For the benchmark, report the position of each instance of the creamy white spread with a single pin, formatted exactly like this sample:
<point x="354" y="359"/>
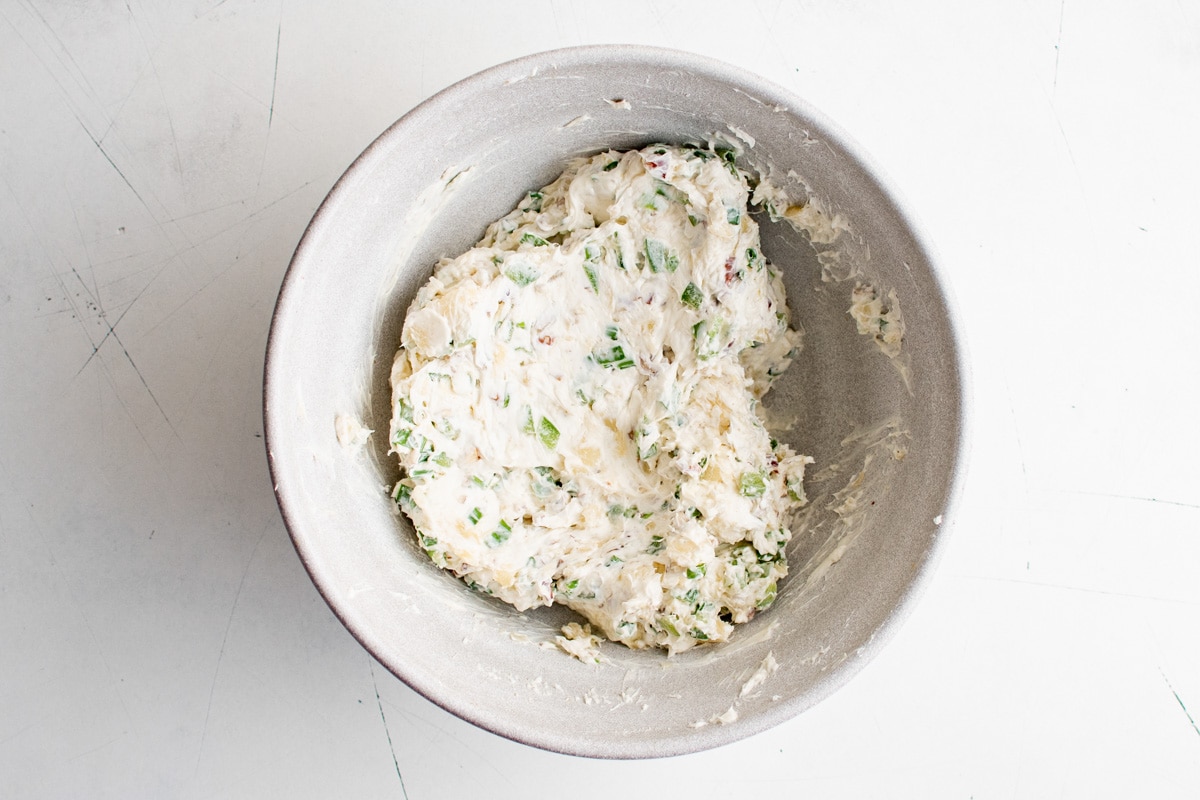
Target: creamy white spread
<point x="576" y="402"/>
<point x="878" y="317"/>
<point x="349" y="431"/>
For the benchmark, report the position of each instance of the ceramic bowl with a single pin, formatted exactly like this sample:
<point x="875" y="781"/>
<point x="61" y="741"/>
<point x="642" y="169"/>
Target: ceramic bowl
<point x="887" y="431"/>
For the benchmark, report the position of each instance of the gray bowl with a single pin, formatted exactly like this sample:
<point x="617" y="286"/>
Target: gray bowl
<point x="887" y="432"/>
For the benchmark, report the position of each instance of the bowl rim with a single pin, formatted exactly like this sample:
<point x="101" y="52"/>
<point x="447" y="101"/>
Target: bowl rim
<point x="763" y="89"/>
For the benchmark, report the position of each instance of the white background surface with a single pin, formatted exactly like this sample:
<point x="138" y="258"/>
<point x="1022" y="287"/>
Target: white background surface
<point x="159" y="162"/>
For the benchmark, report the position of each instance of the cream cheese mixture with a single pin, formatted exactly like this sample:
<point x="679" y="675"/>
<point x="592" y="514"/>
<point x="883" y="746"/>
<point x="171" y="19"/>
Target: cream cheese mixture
<point x="576" y="402"/>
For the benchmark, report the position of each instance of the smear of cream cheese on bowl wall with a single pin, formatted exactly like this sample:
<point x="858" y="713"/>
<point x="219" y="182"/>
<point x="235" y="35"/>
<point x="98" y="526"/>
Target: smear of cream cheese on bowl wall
<point x="576" y="401"/>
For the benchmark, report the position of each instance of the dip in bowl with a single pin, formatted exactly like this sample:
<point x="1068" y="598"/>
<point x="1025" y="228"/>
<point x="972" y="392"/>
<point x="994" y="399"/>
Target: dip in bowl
<point x="875" y="397"/>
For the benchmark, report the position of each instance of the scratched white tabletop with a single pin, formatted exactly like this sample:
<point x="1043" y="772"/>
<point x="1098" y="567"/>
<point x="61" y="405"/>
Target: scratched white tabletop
<point x="158" y="163"/>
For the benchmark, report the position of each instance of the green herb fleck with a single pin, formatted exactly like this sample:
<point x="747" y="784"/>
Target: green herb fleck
<point x="400" y="438"/>
<point x="660" y="257"/>
<point x="404" y="409"/>
<point x="692" y="296"/>
<point x="548" y="433"/>
<point x="500" y="535"/>
<point x="521" y="274"/>
<point x="620" y="250"/>
<point x="752" y="484"/>
<point x="475" y="516"/>
<point x="709" y="335"/>
<point x="752" y="258"/>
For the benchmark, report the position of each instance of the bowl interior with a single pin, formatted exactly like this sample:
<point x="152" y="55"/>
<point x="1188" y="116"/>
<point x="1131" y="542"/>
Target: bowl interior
<point x="885" y="432"/>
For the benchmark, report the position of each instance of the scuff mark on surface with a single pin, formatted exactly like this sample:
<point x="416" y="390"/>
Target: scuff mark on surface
<point x="275" y="75"/>
<point x="1058" y="45"/>
<point x="212" y="689"/>
<point x="386" y="730"/>
<point x="1179" y="700"/>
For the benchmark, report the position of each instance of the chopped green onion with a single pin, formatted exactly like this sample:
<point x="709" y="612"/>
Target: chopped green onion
<point x="545" y="481"/>
<point x="753" y="259"/>
<point x="610" y="356"/>
<point x="429" y="545"/>
<point x="400" y="438"/>
<point x="692" y="296"/>
<point x="709" y="336"/>
<point x="404" y="409"/>
<point x="536" y="241"/>
<point x="620" y="250"/>
<point x="731" y="213"/>
<point x="611" y="165"/>
<point x="500" y="535"/>
<point x="548" y="433"/>
<point x="475" y="516"/>
<point x="752" y="484"/>
<point x="729" y="157"/>
<point x="697" y="571"/>
<point x="656" y="545"/>
<point x="628" y="512"/>
<point x="593" y="279"/>
<point x="660" y="257"/>
<point x="614" y="356"/>
<point x="795" y="490"/>
<point x="420" y="472"/>
<point x="535" y="202"/>
<point x="521" y="274"/>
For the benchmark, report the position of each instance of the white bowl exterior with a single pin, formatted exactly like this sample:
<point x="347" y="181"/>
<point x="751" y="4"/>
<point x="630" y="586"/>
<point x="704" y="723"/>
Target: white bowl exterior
<point x="425" y="189"/>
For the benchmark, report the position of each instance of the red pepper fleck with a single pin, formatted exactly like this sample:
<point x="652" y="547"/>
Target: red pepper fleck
<point x="657" y="166"/>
